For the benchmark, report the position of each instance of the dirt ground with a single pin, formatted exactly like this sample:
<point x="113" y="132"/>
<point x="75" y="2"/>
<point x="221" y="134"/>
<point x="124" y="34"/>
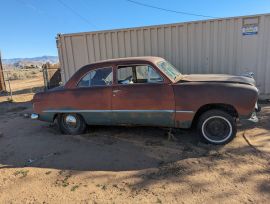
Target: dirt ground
<point x="129" y="164"/>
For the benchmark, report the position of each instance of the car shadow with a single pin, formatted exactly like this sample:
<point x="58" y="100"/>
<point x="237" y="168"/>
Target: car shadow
<point x="144" y="151"/>
<point x="27" y="143"/>
<point x="103" y="148"/>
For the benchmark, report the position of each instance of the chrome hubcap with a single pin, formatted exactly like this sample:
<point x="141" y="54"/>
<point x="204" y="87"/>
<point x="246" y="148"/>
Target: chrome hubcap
<point x="71" y="120"/>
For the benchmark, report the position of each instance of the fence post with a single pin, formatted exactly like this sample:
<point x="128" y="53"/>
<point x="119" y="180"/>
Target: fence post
<point x="2" y="78"/>
<point x="10" y="90"/>
<point x="45" y="76"/>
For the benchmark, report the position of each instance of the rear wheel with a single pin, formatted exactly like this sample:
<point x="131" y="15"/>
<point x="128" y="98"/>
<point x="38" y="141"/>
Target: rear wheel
<point x="71" y="124"/>
<point x="217" y="127"/>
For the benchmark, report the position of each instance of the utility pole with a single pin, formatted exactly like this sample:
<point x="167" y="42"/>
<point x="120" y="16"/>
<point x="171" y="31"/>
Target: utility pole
<point x="2" y="79"/>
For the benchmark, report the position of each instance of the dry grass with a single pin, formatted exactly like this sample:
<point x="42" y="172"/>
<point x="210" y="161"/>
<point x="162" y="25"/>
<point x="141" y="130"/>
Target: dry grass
<point x="21" y="74"/>
<point x="24" y="84"/>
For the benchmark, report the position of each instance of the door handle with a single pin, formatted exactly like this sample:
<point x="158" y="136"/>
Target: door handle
<point x="115" y="91"/>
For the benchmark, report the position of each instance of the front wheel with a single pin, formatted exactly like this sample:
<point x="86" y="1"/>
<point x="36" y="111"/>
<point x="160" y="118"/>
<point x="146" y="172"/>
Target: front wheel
<point x="217" y="127"/>
<point x="71" y="124"/>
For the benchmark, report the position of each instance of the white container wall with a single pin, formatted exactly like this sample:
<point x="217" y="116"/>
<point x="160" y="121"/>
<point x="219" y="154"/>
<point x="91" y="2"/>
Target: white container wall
<point x="229" y="46"/>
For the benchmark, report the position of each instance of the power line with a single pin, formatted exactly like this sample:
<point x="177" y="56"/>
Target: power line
<point x="76" y="13"/>
<point x="169" y="10"/>
<point x="31" y="6"/>
<point x="42" y="12"/>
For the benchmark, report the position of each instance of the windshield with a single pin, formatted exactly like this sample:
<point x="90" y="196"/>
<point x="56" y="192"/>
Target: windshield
<point x="169" y="70"/>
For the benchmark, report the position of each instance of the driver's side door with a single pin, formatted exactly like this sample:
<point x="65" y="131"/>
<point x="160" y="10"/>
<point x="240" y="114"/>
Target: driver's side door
<point x="141" y="97"/>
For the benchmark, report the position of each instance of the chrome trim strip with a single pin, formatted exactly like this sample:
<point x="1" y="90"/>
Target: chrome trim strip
<point x="105" y="111"/>
<point x="97" y="111"/>
<point x="184" y="111"/>
<point x="144" y="111"/>
<point x="75" y="111"/>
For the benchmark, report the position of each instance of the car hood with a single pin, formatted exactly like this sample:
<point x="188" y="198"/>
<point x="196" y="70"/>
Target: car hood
<point x="217" y="78"/>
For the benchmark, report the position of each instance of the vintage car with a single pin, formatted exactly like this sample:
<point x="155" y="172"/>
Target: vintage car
<point x="149" y="91"/>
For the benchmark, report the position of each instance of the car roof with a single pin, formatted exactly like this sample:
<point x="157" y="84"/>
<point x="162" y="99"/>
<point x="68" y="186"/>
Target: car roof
<point x="136" y="60"/>
<point x="152" y="59"/>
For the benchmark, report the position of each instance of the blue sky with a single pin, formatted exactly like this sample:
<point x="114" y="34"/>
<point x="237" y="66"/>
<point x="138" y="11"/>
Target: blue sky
<point x="28" y="27"/>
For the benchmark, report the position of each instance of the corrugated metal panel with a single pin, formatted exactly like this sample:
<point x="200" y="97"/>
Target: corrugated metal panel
<point x="212" y="46"/>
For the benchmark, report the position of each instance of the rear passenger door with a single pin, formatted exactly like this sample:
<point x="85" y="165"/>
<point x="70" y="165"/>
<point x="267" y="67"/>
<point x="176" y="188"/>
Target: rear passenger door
<point x="92" y="97"/>
<point x="141" y="97"/>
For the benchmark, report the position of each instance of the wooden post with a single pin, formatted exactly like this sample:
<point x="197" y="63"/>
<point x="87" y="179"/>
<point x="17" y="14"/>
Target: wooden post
<point x="45" y="76"/>
<point x="10" y="90"/>
<point x="2" y="80"/>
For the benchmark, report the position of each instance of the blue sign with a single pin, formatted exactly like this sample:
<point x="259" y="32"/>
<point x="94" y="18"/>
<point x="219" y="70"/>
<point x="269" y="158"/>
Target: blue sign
<point x="250" y="30"/>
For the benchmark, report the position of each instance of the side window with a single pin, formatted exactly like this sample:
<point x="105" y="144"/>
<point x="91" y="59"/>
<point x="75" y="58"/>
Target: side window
<point x="98" y="77"/>
<point x="85" y="81"/>
<point x="137" y="74"/>
<point x="146" y="74"/>
<point x="124" y="75"/>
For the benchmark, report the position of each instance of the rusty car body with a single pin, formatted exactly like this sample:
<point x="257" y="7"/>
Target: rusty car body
<point x="149" y="91"/>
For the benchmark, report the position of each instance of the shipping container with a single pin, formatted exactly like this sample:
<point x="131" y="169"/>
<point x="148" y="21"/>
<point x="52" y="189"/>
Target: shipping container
<point x="229" y="46"/>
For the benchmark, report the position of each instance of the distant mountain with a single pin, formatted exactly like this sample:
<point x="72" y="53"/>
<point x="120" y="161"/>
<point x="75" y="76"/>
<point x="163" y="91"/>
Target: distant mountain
<point x="43" y="59"/>
<point x="24" y="62"/>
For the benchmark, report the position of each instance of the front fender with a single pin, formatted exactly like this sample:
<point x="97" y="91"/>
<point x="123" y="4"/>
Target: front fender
<point x="191" y="96"/>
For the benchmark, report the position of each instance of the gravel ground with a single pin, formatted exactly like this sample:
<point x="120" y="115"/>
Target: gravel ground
<point x="129" y="164"/>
